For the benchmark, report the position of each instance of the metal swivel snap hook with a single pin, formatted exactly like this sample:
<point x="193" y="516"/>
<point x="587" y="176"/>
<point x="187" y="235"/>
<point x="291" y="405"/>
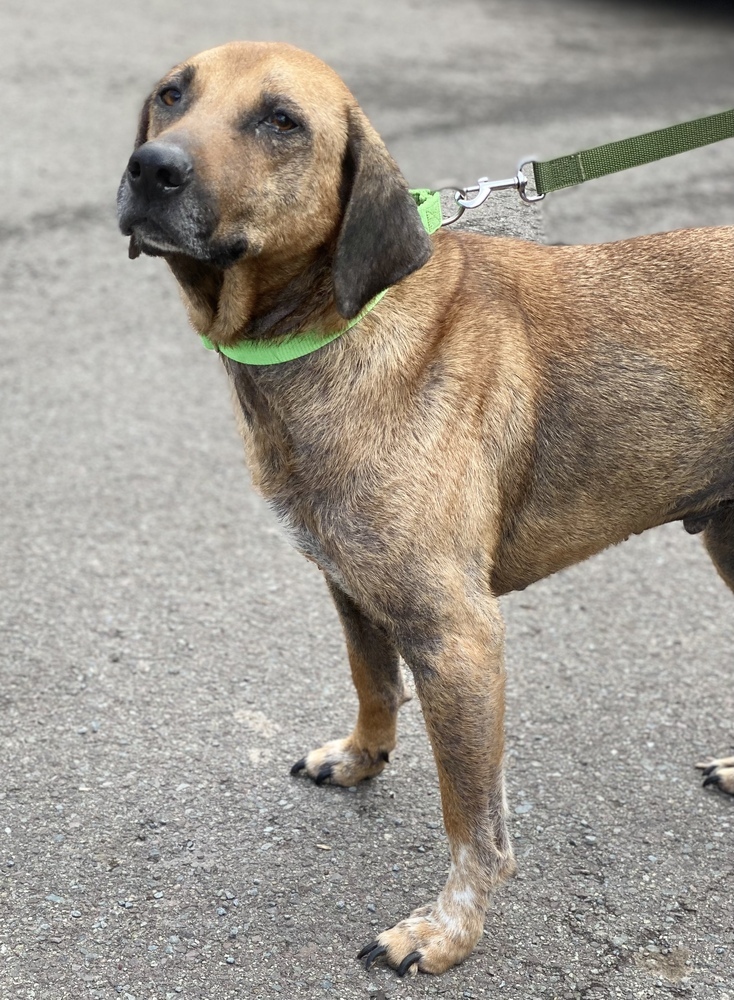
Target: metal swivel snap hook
<point x="477" y="194"/>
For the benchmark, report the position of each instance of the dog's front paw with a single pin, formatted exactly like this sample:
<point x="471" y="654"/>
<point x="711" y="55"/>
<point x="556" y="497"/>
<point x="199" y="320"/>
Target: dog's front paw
<point x="719" y="772"/>
<point x="341" y="763"/>
<point x="431" y="939"/>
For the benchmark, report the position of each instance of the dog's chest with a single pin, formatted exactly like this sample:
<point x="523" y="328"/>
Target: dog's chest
<point x="307" y="541"/>
<point x="313" y="471"/>
<point x="313" y="544"/>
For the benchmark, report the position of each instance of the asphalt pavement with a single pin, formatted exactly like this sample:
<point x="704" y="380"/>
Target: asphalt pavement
<point x="166" y="655"/>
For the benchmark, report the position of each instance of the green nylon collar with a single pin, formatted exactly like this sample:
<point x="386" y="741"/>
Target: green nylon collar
<point x="264" y="352"/>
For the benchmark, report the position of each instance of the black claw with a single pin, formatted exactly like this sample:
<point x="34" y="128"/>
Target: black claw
<point x="711" y="779"/>
<point x="298" y="766"/>
<point x="411" y="959"/>
<point x="709" y="770"/>
<point x="384" y="755"/>
<point x="324" y="773"/>
<point x="371" y="953"/>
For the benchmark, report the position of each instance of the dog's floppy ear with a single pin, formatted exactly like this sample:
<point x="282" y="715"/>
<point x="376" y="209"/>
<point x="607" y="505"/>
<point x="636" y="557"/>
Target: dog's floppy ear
<point x="382" y="238"/>
<point x="133" y="250"/>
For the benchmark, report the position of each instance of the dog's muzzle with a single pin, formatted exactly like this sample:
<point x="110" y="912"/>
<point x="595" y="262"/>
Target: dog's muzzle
<point x="161" y="203"/>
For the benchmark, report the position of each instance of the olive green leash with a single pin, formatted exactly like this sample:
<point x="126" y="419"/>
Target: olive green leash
<point x="565" y="171"/>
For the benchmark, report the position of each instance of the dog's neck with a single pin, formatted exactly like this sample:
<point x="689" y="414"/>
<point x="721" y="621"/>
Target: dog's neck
<point x="255" y="300"/>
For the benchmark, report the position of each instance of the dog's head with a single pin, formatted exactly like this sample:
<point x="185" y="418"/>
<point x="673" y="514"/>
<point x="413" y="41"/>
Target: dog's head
<point x="254" y="159"/>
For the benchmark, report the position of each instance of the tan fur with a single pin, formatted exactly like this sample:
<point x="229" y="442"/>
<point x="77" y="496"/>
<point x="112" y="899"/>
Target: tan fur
<point x="505" y="411"/>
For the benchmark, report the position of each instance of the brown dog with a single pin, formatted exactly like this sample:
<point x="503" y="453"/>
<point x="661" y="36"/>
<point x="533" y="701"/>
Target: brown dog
<point x="506" y="410"/>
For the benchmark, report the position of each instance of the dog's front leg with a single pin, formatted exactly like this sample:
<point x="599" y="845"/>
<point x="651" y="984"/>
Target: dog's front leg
<point x="378" y="679"/>
<point x="459" y="676"/>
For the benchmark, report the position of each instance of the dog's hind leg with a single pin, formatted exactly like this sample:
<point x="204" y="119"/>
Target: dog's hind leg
<point x="378" y="679"/>
<point x="459" y="675"/>
<point x="718" y="538"/>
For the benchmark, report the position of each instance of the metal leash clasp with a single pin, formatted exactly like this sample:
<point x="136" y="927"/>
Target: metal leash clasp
<point x="477" y="194"/>
<point x="522" y="181"/>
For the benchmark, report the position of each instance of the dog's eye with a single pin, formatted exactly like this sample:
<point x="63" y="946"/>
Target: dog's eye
<point x="170" y="96"/>
<point x="280" y="122"/>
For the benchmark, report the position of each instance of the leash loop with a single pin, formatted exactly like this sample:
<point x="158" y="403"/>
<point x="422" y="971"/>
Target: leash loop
<point x="529" y="199"/>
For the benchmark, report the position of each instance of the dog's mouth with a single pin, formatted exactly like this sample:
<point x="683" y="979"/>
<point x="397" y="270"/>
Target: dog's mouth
<point x="183" y="223"/>
<point x="155" y="239"/>
<point x="149" y="241"/>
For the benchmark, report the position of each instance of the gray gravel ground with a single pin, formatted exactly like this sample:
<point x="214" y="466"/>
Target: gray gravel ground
<point x="166" y="656"/>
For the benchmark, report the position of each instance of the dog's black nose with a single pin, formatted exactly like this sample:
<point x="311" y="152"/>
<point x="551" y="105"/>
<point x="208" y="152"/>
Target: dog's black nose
<point x="157" y="169"/>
